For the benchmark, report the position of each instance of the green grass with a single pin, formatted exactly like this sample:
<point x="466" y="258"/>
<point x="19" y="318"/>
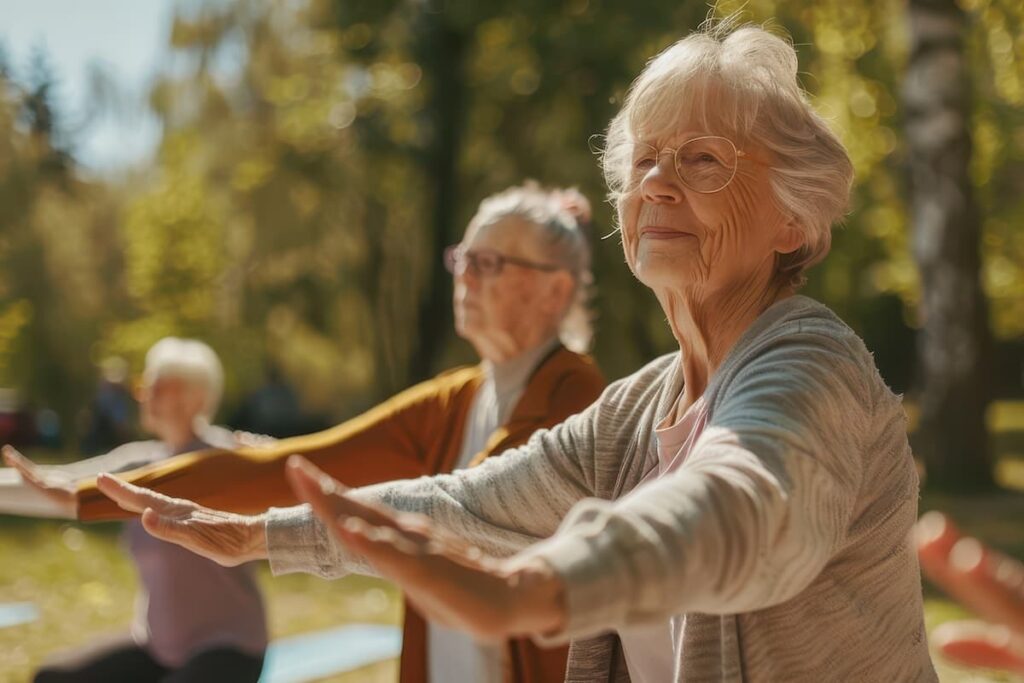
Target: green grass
<point x="83" y="584"/>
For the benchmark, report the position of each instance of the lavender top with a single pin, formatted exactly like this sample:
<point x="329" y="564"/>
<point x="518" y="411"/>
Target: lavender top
<point x="187" y="604"/>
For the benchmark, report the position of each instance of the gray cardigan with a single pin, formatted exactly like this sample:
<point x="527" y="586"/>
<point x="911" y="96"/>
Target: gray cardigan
<point x="780" y="549"/>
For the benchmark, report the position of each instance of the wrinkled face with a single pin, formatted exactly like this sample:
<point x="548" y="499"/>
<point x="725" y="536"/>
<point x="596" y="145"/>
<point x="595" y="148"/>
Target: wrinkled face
<point x="676" y="238"/>
<point x="169" y="405"/>
<point x="507" y="310"/>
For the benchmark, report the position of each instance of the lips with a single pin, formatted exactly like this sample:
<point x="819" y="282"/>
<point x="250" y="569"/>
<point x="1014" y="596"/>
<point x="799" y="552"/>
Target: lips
<point x="660" y="232"/>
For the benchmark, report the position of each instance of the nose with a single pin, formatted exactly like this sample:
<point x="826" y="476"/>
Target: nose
<point x="661" y="184"/>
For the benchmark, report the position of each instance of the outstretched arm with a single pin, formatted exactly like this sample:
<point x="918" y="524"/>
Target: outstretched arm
<point x="449" y="580"/>
<point x="224" y="537"/>
<point x="394" y="440"/>
<point x="50" y="490"/>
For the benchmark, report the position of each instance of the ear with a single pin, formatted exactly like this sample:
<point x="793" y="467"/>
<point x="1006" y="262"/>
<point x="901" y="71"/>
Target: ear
<point x="789" y="238"/>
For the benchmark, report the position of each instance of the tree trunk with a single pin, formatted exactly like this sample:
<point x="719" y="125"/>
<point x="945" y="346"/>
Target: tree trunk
<point x="954" y="340"/>
<point x="441" y="51"/>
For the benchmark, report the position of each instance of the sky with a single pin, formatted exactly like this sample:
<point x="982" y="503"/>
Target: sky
<point x="127" y="38"/>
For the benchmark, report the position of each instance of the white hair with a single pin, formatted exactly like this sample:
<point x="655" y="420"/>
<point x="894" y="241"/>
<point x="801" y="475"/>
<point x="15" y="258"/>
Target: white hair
<point x="741" y="83"/>
<point x="562" y="218"/>
<point x="191" y="361"/>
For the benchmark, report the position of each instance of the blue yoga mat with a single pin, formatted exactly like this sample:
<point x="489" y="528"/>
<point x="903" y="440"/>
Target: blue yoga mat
<point x="322" y="653"/>
<point x="16" y="613"/>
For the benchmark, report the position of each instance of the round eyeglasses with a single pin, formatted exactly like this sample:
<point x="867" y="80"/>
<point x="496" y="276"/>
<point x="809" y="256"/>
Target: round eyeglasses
<point x="486" y="262"/>
<point x="706" y="164"/>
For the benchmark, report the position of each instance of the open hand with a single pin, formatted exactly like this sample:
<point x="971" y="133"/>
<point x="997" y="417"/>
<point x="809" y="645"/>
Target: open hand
<point x="450" y="581"/>
<point x="986" y="582"/>
<point x="224" y="537"/>
<point x="52" y="484"/>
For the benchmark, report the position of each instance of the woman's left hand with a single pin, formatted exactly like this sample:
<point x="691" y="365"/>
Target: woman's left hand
<point x="449" y="581"/>
<point x="224" y="537"/>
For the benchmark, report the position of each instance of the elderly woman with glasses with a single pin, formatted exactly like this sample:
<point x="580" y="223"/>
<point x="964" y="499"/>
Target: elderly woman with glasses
<point x="738" y="510"/>
<point x="521" y="275"/>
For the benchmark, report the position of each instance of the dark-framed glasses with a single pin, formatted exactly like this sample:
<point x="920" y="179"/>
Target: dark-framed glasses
<point x="487" y="262"/>
<point x="705" y="164"/>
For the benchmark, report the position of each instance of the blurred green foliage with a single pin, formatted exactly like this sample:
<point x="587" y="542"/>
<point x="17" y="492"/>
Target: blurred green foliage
<point x="294" y="211"/>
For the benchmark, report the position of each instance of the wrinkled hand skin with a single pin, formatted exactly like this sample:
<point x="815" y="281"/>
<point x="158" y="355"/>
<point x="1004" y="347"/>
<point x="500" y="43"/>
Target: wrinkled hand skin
<point x="224" y="537"/>
<point x="448" y="580"/>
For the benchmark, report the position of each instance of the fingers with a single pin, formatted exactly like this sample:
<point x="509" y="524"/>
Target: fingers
<point x="328" y="498"/>
<point x="32" y="476"/>
<point x="12" y="457"/>
<point x="386" y="544"/>
<point x="993" y="580"/>
<point x="464" y="595"/>
<point x="984" y="581"/>
<point x="978" y="644"/>
<point x="178" y="532"/>
<point x="311" y="486"/>
<point x="28" y="470"/>
<point x="369" y="531"/>
<point x="134" y="498"/>
<point x="162" y="527"/>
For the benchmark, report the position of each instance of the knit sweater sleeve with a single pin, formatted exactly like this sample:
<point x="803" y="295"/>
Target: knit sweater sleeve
<point x="751" y="517"/>
<point x="501" y="506"/>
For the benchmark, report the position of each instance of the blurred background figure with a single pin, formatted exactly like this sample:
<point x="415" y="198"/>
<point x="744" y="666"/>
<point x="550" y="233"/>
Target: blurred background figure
<point x="522" y="283"/>
<point x="272" y="409"/>
<point x="16" y="424"/>
<point x="219" y="632"/>
<point x="110" y="418"/>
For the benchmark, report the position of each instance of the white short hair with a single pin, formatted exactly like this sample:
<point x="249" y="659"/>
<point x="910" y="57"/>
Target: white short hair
<point x="192" y="361"/>
<point x="741" y="83"/>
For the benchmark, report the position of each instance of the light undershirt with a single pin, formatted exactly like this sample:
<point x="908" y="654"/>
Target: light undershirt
<point x="453" y="656"/>
<point x="650" y="649"/>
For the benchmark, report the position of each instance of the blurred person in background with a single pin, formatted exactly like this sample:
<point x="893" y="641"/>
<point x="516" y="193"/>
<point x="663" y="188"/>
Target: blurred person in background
<point x="195" y="621"/>
<point x="274" y="408"/>
<point x="16" y="423"/>
<point x="110" y="419"/>
<point x="521" y="276"/>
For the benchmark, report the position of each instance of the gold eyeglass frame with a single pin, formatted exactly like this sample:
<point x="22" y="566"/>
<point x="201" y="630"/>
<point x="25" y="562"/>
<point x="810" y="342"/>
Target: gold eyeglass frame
<point x="675" y="164"/>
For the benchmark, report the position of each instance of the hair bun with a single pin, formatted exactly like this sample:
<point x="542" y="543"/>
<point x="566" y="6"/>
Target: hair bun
<point x="573" y="202"/>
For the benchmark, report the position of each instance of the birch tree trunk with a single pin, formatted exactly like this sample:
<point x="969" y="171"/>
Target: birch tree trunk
<point x="954" y="340"/>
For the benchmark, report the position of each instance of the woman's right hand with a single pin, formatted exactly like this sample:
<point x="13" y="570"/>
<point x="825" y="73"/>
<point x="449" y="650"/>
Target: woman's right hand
<point x="224" y="537"/>
<point x="58" y="488"/>
<point x="982" y="580"/>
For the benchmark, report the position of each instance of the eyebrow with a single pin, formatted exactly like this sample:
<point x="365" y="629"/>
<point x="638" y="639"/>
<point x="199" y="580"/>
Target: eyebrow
<point x="682" y="137"/>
